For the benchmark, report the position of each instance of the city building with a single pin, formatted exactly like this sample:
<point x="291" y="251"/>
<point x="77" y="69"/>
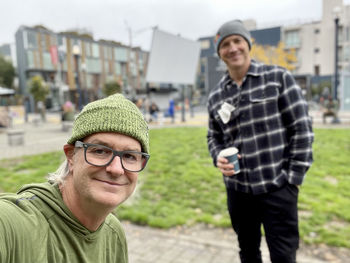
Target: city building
<point x="75" y="66"/>
<point x="8" y="51"/>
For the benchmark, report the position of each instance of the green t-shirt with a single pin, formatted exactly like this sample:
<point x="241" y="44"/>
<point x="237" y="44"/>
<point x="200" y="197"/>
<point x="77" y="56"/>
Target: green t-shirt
<point x="36" y="226"/>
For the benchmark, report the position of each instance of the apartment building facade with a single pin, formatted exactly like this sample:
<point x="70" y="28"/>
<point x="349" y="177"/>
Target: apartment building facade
<point x="75" y="66"/>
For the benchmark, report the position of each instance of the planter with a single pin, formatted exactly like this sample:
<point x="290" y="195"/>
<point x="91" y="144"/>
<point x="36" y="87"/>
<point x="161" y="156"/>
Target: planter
<point x="67" y="125"/>
<point x="15" y="137"/>
<point x="68" y="116"/>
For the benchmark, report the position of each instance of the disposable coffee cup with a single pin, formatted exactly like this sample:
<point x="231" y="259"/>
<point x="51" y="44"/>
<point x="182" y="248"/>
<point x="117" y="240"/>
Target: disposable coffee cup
<point x="231" y="154"/>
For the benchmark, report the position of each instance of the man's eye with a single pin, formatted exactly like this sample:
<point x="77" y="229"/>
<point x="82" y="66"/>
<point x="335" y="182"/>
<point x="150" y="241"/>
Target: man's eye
<point x="129" y="156"/>
<point x="225" y="44"/>
<point x="100" y="151"/>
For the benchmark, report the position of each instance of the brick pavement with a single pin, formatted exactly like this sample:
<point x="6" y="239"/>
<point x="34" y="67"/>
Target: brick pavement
<point x="146" y="245"/>
<point x="197" y="244"/>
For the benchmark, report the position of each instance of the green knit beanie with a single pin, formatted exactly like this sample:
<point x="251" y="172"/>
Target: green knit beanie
<point x="112" y="114"/>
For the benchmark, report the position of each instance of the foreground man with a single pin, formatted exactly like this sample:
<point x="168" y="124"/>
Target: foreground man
<point x="260" y="110"/>
<point x="68" y="219"/>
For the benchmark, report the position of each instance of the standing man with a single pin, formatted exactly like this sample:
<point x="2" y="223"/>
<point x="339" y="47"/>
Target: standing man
<point x="260" y="110"/>
<point x="69" y="219"/>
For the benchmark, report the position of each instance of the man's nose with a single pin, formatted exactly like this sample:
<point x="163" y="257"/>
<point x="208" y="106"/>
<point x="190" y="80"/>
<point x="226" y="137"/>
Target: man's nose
<point x="115" y="167"/>
<point x="232" y="47"/>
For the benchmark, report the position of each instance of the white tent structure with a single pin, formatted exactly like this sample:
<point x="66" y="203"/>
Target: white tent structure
<point x="173" y="59"/>
<point x="6" y="91"/>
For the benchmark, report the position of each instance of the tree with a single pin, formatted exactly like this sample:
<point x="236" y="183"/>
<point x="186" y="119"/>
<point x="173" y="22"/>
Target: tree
<point x="111" y="88"/>
<point x="39" y="90"/>
<point x="274" y="55"/>
<point x="7" y="73"/>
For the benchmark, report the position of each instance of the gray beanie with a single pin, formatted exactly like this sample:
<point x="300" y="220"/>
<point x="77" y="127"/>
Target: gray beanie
<point x="234" y="27"/>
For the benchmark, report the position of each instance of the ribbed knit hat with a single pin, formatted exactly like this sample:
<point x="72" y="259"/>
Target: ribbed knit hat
<point x="234" y="27"/>
<point x="112" y="114"/>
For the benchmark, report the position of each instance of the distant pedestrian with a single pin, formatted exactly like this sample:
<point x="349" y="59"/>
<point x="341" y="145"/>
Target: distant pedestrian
<point x="153" y="111"/>
<point x="171" y="111"/>
<point x="69" y="218"/>
<point x="260" y="110"/>
<point x="330" y="109"/>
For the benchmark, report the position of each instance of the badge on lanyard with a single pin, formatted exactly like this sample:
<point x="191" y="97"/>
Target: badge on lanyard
<point x="225" y="112"/>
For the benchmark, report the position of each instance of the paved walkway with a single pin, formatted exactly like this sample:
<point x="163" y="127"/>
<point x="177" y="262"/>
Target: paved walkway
<point x="148" y="245"/>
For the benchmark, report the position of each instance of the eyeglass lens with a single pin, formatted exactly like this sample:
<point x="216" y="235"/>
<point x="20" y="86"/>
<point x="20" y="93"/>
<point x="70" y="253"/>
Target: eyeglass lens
<point x="102" y="155"/>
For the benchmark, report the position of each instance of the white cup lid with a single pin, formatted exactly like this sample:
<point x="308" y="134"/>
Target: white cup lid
<point x="228" y="151"/>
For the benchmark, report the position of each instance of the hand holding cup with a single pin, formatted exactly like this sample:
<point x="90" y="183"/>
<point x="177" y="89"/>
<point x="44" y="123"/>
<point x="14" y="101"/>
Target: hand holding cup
<point x="228" y="162"/>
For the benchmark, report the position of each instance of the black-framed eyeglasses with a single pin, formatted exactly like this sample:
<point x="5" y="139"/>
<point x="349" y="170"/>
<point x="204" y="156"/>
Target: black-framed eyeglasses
<point x="100" y="155"/>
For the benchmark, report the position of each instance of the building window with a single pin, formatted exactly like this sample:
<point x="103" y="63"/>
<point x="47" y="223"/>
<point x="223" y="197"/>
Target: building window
<point x="317" y="31"/>
<point x="340" y="34"/>
<point x="316" y="50"/>
<point x="87" y="49"/>
<point x="106" y="53"/>
<point x="47" y="64"/>
<point x="340" y="54"/>
<point x="347" y="33"/>
<point x="32" y="40"/>
<point x="292" y="38"/>
<point x="30" y="59"/>
<point x="95" y="50"/>
<point x="347" y="53"/>
<point x="317" y="70"/>
<point x="121" y="54"/>
<point x="205" y="44"/>
<point x="118" y="68"/>
<point x="60" y="40"/>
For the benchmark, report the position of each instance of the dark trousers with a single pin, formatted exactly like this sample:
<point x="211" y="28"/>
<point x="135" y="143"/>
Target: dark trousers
<point x="277" y="212"/>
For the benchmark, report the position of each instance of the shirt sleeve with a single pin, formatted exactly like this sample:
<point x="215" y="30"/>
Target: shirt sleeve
<point x="214" y="135"/>
<point x="4" y="235"/>
<point x="294" y="112"/>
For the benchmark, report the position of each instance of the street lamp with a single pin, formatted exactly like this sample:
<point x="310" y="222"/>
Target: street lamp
<point x="76" y="53"/>
<point x="336" y="12"/>
<point x="129" y="87"/>
<point x="84" y="83"/>
<point x="61" y="58"/>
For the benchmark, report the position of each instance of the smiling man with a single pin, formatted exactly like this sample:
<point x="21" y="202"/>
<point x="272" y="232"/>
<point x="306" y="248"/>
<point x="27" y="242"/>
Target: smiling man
<point x="69" y="219"/>
<point x="260" y="110"/>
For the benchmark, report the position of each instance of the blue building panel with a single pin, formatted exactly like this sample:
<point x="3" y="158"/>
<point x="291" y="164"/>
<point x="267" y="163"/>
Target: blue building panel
<point x="209" y="50"/>
<point x="268" y="36"/>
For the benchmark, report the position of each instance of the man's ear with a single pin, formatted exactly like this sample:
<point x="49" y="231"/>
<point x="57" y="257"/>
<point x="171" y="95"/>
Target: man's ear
<point x="69" y="152"/>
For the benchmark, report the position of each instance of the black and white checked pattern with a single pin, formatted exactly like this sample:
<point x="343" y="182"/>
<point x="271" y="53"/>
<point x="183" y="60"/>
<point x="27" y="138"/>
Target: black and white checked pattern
<point x="270" y="126"/>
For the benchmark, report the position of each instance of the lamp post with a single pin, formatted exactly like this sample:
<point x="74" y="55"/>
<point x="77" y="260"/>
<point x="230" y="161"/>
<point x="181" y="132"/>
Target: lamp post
<point x="131" y="86"/>
<point x="336" y="12"/>
<point x="76" y="53"/>
<point x="61" y="57"/>
<point x="84" y="83"/>
<point x="130" y="89"/>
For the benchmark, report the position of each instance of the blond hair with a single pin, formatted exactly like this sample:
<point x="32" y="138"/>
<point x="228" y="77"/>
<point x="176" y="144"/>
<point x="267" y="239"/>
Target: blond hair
<point x="60" y="175"/>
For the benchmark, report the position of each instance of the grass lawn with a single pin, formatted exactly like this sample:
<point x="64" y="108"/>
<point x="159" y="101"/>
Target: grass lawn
<point x="181" y="186"/>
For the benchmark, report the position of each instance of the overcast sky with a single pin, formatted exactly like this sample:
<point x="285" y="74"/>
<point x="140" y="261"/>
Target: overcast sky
<point x="109" y="19"/>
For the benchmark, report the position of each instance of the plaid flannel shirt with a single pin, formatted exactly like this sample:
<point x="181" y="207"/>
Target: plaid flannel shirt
<point x="269" y="125"/>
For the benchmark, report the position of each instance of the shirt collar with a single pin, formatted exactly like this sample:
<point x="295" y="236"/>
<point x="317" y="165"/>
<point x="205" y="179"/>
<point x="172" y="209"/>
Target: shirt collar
<point x="253" y="70"/>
